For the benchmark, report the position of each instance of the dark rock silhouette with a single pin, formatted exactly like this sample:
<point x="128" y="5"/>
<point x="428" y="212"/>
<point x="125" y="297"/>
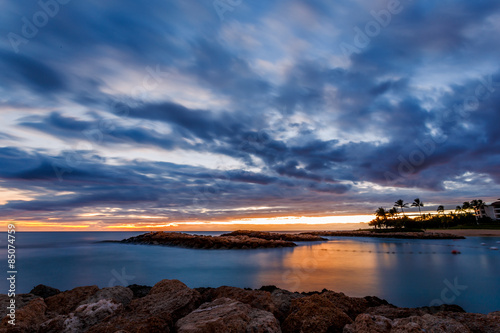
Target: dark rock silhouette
<point x="171" y="306"/>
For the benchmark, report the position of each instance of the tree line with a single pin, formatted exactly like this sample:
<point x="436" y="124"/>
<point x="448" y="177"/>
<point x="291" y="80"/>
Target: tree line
<point x="396" y="217"/>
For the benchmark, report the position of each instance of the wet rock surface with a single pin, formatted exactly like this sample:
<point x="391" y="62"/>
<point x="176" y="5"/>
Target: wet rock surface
<point x="228" y="315"/>
<point x="171" y="306"/>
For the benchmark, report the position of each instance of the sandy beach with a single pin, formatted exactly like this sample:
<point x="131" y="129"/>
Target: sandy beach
<point x="472" y="232"/>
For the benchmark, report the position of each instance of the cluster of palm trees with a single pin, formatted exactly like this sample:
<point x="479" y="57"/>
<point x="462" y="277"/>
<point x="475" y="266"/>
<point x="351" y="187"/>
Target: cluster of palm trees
<point x="467" y="207"/>
<point x="383" y="213"/>
<point x="391" y="217"/>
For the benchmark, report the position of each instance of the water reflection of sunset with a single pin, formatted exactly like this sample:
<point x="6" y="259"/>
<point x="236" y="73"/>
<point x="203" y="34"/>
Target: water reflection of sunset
<point x="316" y="266"/>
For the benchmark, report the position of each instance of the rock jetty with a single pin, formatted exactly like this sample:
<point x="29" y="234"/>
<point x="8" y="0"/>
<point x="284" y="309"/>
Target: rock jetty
<point x="277" y="236"/>
<point x="171" y="306"/>
<point x="206" y="242"/>
<point x="377" y="234"/>
<point x="248" y="239"/>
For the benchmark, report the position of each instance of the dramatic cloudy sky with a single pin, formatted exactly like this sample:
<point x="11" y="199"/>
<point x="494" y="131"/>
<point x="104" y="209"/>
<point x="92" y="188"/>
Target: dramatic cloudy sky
<point x="129" y="113"/>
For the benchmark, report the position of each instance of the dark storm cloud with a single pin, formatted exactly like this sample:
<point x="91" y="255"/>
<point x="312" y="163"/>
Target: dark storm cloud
<point x="19" y="70"/>
<point x="155" y="186"/>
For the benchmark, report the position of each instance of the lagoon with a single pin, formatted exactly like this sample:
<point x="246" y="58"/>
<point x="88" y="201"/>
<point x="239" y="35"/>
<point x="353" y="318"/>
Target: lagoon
<point x="407" y="273"/>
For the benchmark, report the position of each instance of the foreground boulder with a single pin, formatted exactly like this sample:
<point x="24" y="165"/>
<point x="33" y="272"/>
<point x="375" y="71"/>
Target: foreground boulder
<point x="28" y="318"/>
<point x="21" y="301"/>
<point x="84" y="317"/>
<point x="352" y="306"/>
<point x="168" y="301"/>
<point x="256" y="298"/>
<point x="315" y="314"/>
<point x="139" y="290"/>
<point x="118" y="294"/>
<point x="66" y="302"/>
<point x="392" y="312"/>
<point x="366" y="323"/>
<point x="282" y="300"/>
<point x="477" y="323"/>
<point x="44" y="291"/>
<point x="442" y="322"/>
<point x="228" y="315"/>
<point x="170" y="306"/>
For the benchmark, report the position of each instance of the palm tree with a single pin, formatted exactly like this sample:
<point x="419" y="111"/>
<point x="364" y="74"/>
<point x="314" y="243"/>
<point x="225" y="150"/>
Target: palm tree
<point x="401" y="204"/>
<point x="440" y="209"/>
<point x="381" y="213"/>
<point x="458" y="209"/>
<point x="466" y="206"/>
<point x="418" y="203"/>
<point x="477" y="204"/>
<point x="393" y="212"/>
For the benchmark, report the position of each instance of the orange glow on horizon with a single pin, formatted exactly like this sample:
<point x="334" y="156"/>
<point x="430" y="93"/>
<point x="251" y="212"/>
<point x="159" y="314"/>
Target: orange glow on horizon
<point x="269" y="223"/>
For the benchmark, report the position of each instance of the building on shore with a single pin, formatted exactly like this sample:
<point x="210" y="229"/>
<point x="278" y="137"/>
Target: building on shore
<point x="492" y="211"/>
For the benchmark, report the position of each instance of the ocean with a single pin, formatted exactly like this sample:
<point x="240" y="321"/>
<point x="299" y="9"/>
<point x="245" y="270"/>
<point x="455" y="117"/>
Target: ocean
<point x="409" y="273"/>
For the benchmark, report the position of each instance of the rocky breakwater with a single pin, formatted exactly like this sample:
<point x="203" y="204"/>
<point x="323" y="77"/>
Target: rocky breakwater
<point x="170" y="306"/>
<point x="396" y="234"/>
<point x="276" y="236"/>
<point x="206" y="242"/>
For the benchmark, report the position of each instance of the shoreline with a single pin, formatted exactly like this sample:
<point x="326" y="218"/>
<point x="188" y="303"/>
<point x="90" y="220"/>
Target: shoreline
<point x="388" y="234"/>
<point x="471" y="232"/>
<point x="171" y="306"/>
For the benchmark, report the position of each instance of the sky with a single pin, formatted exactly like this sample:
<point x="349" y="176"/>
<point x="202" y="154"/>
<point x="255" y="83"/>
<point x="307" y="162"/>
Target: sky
<point x="206" y="114"/>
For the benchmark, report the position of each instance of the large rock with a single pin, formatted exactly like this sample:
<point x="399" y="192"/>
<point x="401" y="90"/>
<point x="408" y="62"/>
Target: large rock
<point x="167" y="287"/>
<point x="139" y="290"/>
<point x="44" y="291"/>
<point x="118" y="294"/>
<point x="428" y="323"/>
<point x="477" y="323"/>
<point x="367" y="323"/>
<point x="393" y="312"/>
<point x="375" y="301"/>
<point x="316" y="314"/>
<point x="66" y="302"/>
<point x="21" y="301"/>
<point x="352" y="306"/>
<point x="28" y="318"/>
<point x="167" y="301"/>
<point x="84" y="317"/>
<point x="282" y="300"/>
<point x="256" y="298"/>
<point x="228" y="315"/>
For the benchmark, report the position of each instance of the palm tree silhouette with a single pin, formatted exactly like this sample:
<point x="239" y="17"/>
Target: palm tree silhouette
<point x="401" y="204"/>
<point x="440" y="209"/>
<point x="382" y="214"/>
<point x="393" y="212"/>
<point x="418" y="203"/>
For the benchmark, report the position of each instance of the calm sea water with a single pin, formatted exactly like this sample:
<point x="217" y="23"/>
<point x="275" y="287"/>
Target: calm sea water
<point x="405" y="272"/>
